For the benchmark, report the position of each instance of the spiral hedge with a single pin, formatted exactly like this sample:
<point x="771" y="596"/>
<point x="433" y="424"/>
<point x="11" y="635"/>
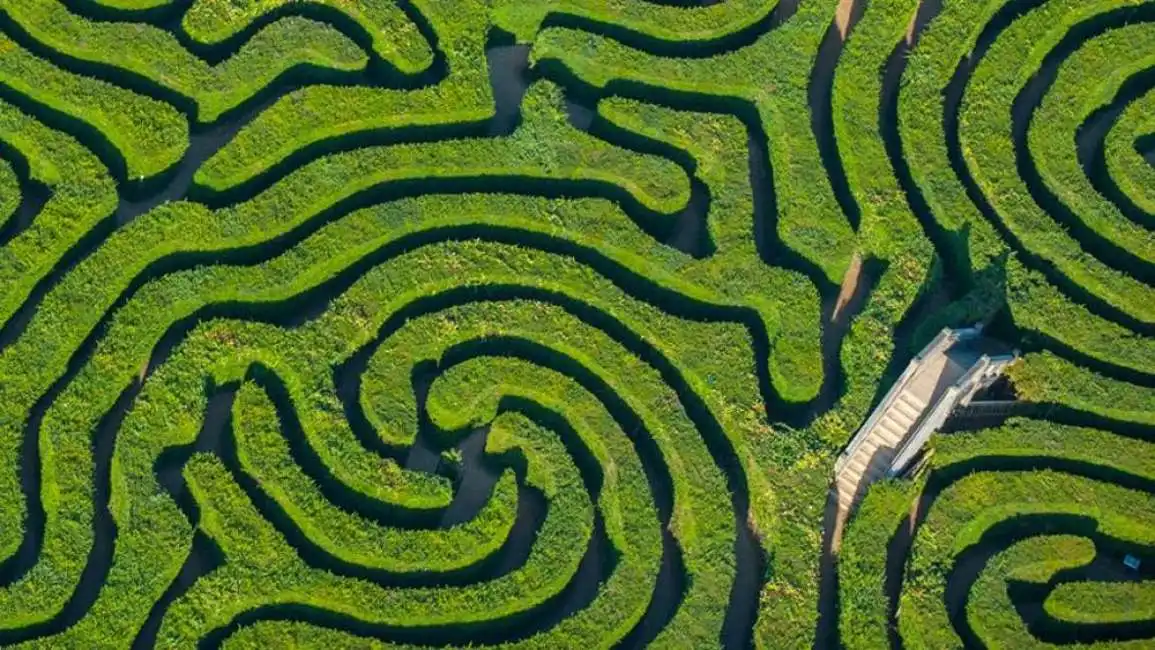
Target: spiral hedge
<point x="541" y="323"/>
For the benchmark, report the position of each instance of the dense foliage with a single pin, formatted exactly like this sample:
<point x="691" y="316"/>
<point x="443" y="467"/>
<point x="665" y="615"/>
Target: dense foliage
<point x="541" y="323"/>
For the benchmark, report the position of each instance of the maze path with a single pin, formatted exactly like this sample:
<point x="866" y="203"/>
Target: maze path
<point x="440" y="324"/>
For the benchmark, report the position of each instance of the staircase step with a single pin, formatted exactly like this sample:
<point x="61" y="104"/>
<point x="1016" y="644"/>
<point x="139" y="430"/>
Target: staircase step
<point x="906" y="408"/>
<point x="857" y="465"/>
<point x="898" y="421"/>
<point x="912" y="401"/>
<point x="890" y="431"/>
<point x="868" y="447"/>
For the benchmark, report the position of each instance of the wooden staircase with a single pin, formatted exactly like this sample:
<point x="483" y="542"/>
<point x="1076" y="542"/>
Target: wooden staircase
<point x="940" y="379"/>
<point x="873" y="458"/>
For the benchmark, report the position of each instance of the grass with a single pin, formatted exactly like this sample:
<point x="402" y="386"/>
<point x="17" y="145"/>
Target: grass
<point x="1066" y="107"/>
<point x="1105" y="602"/>
<point x="253" y="414"/>
<point x="149" y="135"/>
<point x="1125" y="163"/>
<point x="10" y="195"/>
<point x="1048" y="379"/>
<point x="152" y="57"/>
<point x="395" y="38"/>
<point x="809" y="218"/>
<point x="669" y="24"/>
<point x="988" y="148"/>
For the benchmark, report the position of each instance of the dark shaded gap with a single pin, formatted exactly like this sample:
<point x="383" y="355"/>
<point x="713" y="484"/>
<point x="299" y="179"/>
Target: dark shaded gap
<point x="99" y="556"/>
<point x="205" y="556"/>
<point x="1028" y="598"/>
<point x="821" y="100"/>
<point x="1023" y="111"/>
<point x="671" y="579"/>
<point x="956" y="263"/>
<point x="174" y="185"/>
<point x="826" y="633"/>
<point x="34" y="195"/>
<point x="176" y="182"/>
<point x="838" y="314"/>
<point x="509" y="76"/>
<point x="1092" y="152"/>
<point x="1145" y="145"/>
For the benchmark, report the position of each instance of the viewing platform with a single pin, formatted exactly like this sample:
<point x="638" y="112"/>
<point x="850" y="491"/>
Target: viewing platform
<point x="943" y="377"/>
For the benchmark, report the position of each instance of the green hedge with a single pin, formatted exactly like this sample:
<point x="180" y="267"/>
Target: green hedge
<point x="263" y="570"/>
<point x="151" y="136"/>
<point x="1048" y="379"/>
<point x="776" y="462"/>
<point x="991" y="614"/>
<point x="71" y="309"/>
<point x="1111" y="59"/>
<point x="156" y="56"/>
<point x="333" y="330"/>
<point x="264" y="454"/>
<point x="703" y="521"/>
<point x="154" y="306"/>
<point x="82" y="195"/>
<point x="314" y="115"/>
<point x="1125" y="164"/>
<point x="395" y="38"/>
<point x="1103" y="602"/>
<point x="862" y="597"/>
<point x="10" y="194"/>
<point x="785" y="300"/>
<point x="810" y="220"/>
<point x="943" y="45"/>
<point x="1037" y="306"/>
<point x="673" y="24"/>
<point x="988" y="147"/>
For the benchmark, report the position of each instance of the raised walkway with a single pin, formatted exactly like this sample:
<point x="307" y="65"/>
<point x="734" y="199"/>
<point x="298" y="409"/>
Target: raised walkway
<point x="944" y="376"/>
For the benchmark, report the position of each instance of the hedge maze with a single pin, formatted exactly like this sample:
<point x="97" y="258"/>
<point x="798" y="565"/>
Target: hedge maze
<point x="541" y="323"/>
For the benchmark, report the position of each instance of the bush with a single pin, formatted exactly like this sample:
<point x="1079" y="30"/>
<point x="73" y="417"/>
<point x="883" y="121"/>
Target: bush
<point x="146" y="56"/>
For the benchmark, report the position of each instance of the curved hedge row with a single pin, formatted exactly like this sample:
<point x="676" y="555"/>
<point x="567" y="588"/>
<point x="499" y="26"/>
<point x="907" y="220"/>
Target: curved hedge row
<point x="542" y="324"/>
<point x="983" y="491"/>
<point x="1126" y="166"/>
